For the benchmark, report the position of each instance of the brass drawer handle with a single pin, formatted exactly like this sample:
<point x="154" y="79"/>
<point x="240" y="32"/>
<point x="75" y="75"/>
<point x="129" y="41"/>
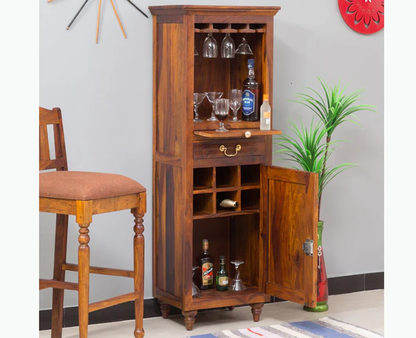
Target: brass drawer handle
<point x="223" y="149"/>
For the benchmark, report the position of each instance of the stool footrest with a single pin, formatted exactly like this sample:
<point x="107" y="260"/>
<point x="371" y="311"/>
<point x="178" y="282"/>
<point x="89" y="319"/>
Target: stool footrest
<point x="101" y="270"/>
<point x="113" y="301"/>
<point x="51" y="283"/>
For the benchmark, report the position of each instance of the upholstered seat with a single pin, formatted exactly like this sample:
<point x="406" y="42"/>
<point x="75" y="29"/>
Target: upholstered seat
<point x="84" y="185"/>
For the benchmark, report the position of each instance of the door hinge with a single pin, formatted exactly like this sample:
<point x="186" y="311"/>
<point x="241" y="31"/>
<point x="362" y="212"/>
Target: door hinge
<point x="308" y="247"/>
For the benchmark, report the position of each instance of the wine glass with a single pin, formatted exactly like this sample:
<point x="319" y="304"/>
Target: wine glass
<point x="222" y="106"/>
<point x="210" y="48"/>
<point x="211" y="96"/>
<point x="196" y="293"/>
<point x="235" y="103"/>
<point x="237" y="284"/>
<point x="198" y="98"/>
<point x="227" y="47"/>
<point x="244" y="48"/>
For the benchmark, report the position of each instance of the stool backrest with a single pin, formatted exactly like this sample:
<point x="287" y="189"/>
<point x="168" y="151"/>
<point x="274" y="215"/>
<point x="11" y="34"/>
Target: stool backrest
<point x="51" y="117"/>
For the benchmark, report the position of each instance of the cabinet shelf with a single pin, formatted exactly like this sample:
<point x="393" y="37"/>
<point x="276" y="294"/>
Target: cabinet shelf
<point x="225" y="213"/>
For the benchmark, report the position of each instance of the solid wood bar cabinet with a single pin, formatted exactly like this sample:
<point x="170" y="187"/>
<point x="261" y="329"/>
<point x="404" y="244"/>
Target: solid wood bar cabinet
<point x="194" y="167"/>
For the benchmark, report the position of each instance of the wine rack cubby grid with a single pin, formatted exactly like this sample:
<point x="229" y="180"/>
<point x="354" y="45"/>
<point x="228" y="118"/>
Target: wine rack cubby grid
<point x="212" y="185"/>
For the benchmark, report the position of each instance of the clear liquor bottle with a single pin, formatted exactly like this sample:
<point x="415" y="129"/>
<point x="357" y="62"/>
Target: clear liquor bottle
<point x="265" y="114"/>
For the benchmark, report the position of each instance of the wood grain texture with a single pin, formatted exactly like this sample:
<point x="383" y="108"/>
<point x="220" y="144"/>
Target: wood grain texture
<point x="51" y="283"/>
<point x="102" y="304"/>
<point x="238" y="133"/>
<point x="211" y="149"/>
<point x="51" y="117"/>
<point x="61" y="238"/>
<point x="289" y="217"/>
<point x="191" y="175"/>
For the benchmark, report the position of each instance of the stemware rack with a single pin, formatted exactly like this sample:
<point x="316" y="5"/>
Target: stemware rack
<point x="230" y="28"/>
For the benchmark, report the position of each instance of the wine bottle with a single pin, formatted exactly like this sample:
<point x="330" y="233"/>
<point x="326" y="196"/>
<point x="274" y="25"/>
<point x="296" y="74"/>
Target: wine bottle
<point x="265" y="113"/>
<point x="222" y="276"/>
<point x="250" y="105"/>
<point x="227" y="203"/>
<point x="206" y="262"/>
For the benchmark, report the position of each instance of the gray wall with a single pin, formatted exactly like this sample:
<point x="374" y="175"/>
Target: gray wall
<point x="105" y="92"/>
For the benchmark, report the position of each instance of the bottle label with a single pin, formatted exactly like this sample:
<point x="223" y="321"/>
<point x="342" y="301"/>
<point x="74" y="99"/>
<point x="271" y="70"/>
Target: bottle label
<point x="207" y="274"/>
<point x="249" y="102"/>
<point x="223" y="281"/>
<point x="266" y="114"/>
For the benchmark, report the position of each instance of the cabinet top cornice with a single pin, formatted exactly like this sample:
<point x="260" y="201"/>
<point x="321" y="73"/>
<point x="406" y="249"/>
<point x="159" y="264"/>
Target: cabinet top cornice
<point x="214" y="10"/>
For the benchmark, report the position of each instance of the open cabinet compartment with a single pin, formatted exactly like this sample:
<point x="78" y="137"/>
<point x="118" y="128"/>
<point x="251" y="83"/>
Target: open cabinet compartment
<point x="222" y="74"/>
<point x="235" y="237"/>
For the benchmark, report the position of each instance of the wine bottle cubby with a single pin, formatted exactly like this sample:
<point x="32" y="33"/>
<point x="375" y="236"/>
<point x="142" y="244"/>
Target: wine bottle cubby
<point x="237" y="183"/>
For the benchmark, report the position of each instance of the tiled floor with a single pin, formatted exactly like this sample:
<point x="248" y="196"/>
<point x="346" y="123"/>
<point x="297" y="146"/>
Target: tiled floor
<point x="365" y="309"/>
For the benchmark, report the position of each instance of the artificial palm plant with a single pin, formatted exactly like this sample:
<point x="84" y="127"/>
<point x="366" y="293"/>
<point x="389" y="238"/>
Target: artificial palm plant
<point x="308" y="150"/>
<point x="333" y="108"/>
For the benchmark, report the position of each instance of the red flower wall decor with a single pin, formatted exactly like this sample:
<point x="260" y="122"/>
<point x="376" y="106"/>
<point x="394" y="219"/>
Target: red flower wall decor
<point x="363" y="16"/>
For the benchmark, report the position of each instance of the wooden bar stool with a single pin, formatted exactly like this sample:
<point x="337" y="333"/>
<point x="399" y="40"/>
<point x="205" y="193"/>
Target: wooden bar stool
<point x="84" y="194"/>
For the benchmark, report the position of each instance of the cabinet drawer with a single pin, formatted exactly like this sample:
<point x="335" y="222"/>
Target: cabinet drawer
<point x="229" y="152"/>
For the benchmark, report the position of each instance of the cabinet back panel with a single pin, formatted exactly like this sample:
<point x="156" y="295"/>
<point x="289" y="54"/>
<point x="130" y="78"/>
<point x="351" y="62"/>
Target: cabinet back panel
<point x="244" y="246"/>
<point x="217" y="231"/>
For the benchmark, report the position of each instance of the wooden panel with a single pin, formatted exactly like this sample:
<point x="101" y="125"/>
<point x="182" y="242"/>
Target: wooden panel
<point x="47" y="116"/>
<point x="116" y="203"/>
<point x="289" y="216"/>
<point x="236" y="160"/>
<point x="172" y="105"/>
<point x="169" y="220"/>
<point x="44" y="154"/>
<point x="211" y="149"/>
<point x="57" y="206"/>
<point x="51" y="117"/>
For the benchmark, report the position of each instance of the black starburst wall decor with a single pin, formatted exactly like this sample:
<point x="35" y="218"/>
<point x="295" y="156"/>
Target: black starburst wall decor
<point x="99" y="15"/>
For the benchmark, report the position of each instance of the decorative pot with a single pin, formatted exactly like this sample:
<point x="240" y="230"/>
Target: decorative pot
<point x="322" y="296"/>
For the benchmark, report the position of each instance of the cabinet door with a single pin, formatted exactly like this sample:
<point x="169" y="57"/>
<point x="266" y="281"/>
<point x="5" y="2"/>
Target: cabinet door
<point x="289" y="217"/>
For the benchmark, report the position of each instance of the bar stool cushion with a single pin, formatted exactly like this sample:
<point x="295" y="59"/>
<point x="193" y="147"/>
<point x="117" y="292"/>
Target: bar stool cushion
<point x="84" y="186"/>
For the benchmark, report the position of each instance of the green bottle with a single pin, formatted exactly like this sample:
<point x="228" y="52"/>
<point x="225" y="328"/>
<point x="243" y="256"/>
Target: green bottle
<point x="222" y="276"/>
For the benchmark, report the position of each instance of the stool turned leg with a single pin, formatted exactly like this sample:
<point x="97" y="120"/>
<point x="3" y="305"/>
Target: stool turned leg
<point x="138" y="271"/>
<point x="83" y="279"/>
<point x="189" y="318"/>
<point x="256" y="310"/>
<point x="61" y="235"/>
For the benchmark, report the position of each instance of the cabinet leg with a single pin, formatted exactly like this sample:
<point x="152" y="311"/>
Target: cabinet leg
<point x="231" y="308"/>
<point x="256" y="310"/>
<point x="165" y="309"/>
<point x="189" y="318"/>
